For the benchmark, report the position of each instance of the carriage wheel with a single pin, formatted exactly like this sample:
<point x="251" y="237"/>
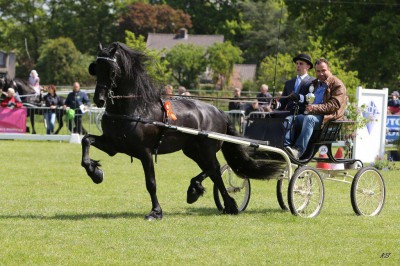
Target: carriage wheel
<point x="306" y="192"/>
<point x="368" y="192"/>
<point x="237" y="187"/>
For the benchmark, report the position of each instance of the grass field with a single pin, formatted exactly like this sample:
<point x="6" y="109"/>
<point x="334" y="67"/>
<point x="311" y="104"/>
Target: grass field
<point x="52" y="214"/>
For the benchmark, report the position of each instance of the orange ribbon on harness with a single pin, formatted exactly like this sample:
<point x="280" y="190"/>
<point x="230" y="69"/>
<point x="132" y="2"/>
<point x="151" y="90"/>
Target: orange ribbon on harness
<point x="168" y="109"/>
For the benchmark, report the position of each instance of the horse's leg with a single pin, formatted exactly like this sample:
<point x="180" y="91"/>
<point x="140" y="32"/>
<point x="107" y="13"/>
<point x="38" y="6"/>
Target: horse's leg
<point x="204" y="154"/>
<point x="60" y="122"/>
<point x="196" y="189"/>
<point x="92" y="166"/>
<point x="32" y="118"/>
<point x="148" y="167"/>
<point x="215" y="175"/>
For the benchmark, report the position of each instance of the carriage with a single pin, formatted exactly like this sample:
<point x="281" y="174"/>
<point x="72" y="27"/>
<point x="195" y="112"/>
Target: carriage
<point x="300" y="188"/>
<point x="140" y="123"/>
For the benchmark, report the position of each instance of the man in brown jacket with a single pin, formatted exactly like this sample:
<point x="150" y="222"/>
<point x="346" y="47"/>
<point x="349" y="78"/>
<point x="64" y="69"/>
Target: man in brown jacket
<point x="329" y="104"/>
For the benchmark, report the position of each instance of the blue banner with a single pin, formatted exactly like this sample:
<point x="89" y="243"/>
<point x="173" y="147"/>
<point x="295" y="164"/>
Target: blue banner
<point x="392" y="128"/>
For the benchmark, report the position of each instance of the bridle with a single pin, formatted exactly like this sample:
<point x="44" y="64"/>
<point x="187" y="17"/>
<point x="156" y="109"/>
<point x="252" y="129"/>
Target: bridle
<point x="113" y="75"/>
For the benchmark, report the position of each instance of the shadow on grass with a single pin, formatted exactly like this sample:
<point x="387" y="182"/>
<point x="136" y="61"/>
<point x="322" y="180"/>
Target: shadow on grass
<point x="131" y="215"/>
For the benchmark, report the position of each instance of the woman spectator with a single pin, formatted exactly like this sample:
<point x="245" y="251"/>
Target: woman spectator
<point x="34" y="80"/>
<point x="52" y="101"/>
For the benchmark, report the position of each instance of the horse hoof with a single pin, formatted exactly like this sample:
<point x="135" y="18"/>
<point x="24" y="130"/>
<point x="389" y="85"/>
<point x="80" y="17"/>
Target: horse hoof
<point x="232" y="211"/>
<point x="97" y="176"/>
<point x="152" y="216"/>
<point x="193" y="194"/>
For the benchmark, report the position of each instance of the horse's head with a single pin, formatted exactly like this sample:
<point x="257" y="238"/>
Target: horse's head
<point x="120" y="71"/>
<point x="106" y="70"/>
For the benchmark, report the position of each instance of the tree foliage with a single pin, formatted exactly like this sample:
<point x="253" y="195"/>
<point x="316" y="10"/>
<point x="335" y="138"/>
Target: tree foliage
<point x="157" y="67"/>
<point x="362" y="35"/>
<point x="23" y="28"/>
<point x="141" y="18"/>
<point x="221" y="59"/>
<point x="261" y="39"/>
<point x="61" y="63"/>
<point x="365" y="34"/>
<point x="86" y="22"/>
<point x="208" y="16"/>
<point x="187" y="62"/>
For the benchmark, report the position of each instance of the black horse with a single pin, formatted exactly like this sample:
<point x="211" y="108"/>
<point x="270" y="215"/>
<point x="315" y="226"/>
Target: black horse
<point x="133" y="119"/>
<point x="30" y="100"/>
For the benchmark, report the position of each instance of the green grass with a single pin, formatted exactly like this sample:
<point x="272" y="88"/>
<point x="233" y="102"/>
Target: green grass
<point x="52" y="214"/>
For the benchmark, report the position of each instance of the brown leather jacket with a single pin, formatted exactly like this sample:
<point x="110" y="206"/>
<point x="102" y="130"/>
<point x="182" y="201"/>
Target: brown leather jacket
<point x="334" y="100"/>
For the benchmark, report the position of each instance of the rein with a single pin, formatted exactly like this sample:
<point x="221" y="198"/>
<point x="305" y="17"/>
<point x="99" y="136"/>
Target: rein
<point x="111" y="95"/>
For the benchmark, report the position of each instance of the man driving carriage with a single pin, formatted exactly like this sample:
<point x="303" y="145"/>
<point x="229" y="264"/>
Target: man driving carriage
<point x="298" y="85"/>
<point x="329" y="104"/>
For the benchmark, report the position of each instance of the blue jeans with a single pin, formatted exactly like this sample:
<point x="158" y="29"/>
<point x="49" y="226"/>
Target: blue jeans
<point x="50" y="121"/>
<point x="307" y="123"/>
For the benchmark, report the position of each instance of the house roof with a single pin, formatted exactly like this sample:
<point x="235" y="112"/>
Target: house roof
<point x="166" y="41"/>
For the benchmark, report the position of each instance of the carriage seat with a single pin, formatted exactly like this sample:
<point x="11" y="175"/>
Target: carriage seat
<point x="327" y="135"/>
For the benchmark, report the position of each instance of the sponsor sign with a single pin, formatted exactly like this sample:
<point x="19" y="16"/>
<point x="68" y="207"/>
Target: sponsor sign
<point x="370" y="140"/>
<point x="392" y="128"/>
<point x="12" y="120"/>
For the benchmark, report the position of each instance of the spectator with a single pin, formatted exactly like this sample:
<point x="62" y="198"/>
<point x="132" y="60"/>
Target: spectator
<point x="11" y="101"/>
<point x="52" y="101"/>
<point x="299" y="84"/>
<point x="34" y="82"/>
<point x="329" y="104"/>
<point x="168" y="91"/>
<point x="254" y="107"/>
<point x="264" y="98"/>
<point x="394" y="104"/>
<point x="235" y="105"/>
<point x="78" y="101"/>
<point x="181" y="90"/>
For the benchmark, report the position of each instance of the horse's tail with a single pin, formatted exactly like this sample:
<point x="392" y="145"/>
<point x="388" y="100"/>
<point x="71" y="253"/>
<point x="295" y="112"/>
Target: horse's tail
<point x="239" y="159"/>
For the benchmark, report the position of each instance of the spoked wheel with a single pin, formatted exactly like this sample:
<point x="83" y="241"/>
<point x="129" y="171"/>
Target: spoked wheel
<point x="238" y="188"/>
<point x="281" y="193"/>
<point x="306" y="192"/>
<point x="368" y="192"/>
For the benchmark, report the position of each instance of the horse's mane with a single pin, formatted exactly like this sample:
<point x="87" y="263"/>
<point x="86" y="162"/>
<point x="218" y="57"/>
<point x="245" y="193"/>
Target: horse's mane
<point x="133" y="67"/>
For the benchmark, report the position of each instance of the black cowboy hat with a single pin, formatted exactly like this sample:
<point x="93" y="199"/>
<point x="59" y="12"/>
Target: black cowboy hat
<point x="304" y="57"/>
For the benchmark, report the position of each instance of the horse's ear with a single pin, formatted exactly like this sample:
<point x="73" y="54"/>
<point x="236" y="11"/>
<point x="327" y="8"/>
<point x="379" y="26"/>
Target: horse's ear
<point x="113" y="49"/>
<point x="92" y="69"/>
<point x="100" y="47"/>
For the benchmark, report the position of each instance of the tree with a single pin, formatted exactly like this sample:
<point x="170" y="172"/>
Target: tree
<point x="261" y="39"/>
<point x="141" y="18"/>
<point x="221" y="59"/>
<point x="209" y="16"/>
<point x="274" y="71"/>
<point x="187" y="62"/>
<point x="23" y="30"/>
<point x="158" y="66"/>
<point x="366" y="33"/>
<point x="61" y="63"/>
<point x="86" y="22"/>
